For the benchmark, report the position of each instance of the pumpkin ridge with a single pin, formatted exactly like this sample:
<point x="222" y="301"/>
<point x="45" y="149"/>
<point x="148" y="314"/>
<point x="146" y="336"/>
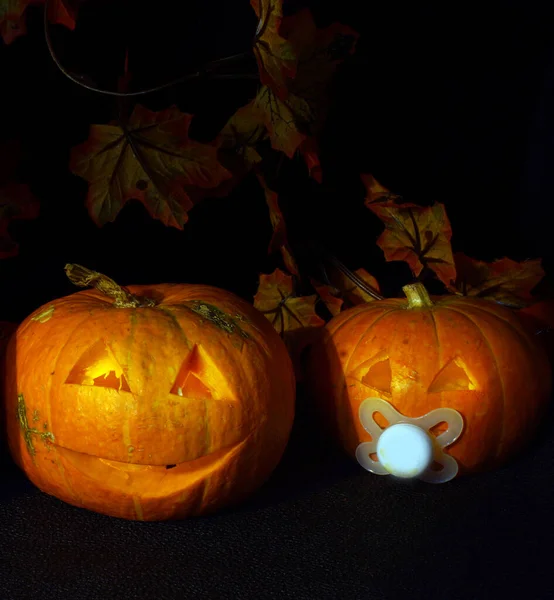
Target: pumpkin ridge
<point x="175" y="323"/>
<point x="350" y="318"/>
<point x="500" y="437"/>
<point x="517" y="328"/>
<point x="362" y="337"/>
<point x="439" y="348"/>
<point x="50" y="380"/>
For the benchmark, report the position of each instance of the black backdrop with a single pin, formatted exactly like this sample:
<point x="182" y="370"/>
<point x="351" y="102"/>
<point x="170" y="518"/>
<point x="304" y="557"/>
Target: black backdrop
<point x="441" y="102"/>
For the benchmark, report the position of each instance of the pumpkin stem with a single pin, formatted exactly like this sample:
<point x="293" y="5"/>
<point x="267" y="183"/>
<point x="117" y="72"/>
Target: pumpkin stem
<point x="417" y="295"/>
<point x="83" y="277"/>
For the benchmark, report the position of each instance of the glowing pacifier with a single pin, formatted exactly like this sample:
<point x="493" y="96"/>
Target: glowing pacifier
<point x="406" y="448"/>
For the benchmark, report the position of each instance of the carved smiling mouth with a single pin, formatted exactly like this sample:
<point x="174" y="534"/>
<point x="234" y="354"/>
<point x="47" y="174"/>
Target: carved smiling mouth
<point x="149" y="480"/>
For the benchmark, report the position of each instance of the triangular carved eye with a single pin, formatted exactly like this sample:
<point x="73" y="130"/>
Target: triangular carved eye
<point x="379" y="376"/>
<point x="452" y="377"/>
<point x="188" y="382"/>
<point x="98" y="367"/>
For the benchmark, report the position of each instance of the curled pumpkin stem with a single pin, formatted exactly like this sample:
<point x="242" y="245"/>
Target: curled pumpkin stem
<point x="83" y="277"/>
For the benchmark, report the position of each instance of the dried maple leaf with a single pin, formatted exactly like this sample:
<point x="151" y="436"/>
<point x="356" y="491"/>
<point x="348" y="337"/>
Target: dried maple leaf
<point x="505" y="281"/>
<point x="279" y="240"/>
<point x="12" y="17"/>
<point x="150" y="159"/>
<point x="330" y="296"/>
<point x="241" y="135"/>
<point x="237" y="151"/>
<point x="278" y="119"/>
<point x="62" y="12"/>
<point x="310" y="152"/>
<point x="293" y="317"/>
<point x="16" y="202"/>
<point x="293" y="120"/>
<point x="320" y="51"/>
<point x="418" y="235"/>
<point x="275" y="56"/>
<point x="375" y="192"/>
<point x="275" y="299"/>
<point x="12" y="22"/>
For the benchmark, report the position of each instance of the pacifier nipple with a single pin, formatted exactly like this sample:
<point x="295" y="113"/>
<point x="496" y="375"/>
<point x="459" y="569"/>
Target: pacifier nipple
<point x="406" y="448"/>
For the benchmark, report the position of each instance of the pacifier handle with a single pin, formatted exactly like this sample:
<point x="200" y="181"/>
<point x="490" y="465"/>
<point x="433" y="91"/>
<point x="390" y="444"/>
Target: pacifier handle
<point x="406" y="448"/>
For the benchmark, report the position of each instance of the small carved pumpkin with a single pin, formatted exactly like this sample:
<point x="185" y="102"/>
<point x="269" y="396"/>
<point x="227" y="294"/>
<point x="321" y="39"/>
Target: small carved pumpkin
<point x="173" y="400"/>
<point x="419" y="355"/>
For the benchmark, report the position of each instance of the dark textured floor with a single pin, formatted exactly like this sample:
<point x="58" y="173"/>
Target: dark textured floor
<point x="320" y="529"/>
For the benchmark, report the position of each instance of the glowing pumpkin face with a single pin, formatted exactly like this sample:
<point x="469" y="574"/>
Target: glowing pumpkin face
<point x="149" y="412"/>
<point x="468" y="355"/>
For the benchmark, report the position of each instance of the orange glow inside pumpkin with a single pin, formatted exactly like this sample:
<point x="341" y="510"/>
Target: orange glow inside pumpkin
<point x="377" y="374"/>
<point x="98" y="366"/>
<point x="187" y="383"/>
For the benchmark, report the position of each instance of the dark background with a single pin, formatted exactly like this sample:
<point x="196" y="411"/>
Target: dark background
<point x="447" y="102"/>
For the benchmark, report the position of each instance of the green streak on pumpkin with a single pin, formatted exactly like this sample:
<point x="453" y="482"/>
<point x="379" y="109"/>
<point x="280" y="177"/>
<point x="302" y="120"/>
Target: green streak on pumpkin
<point x="45" y="315"/>
<point x="28" y="432"/>
<point x="219" y="318"/>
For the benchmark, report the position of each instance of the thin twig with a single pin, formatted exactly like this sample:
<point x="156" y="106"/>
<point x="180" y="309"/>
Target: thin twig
<point x="84" y="81"/>
<point x="358" y="281"/>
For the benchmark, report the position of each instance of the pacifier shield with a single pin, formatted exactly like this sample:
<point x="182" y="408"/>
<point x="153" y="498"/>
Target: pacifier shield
<point x="406" y="448"/>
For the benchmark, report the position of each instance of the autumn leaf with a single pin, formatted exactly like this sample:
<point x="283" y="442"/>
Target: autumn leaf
<point x="62" y="12"/>
<point x="279" y="240"/>
<point x="294" y="318"/>
<point x="310" y="152"/>
<point x="504" y="281"/>
<point x="12" y="17"/>
<point x="12" y="22"/>
<point x="275" y="56"/>
<point x="292" y="121"/>
<point x="329" y="295"/>
<point x="150" y="159"/>
<point x="237" y="145"/>
<point x="286" y="312"/>
<point x="320" y="52"/>
<point x="375" y="192"/>
<point x="241" y="135"/>
<point x="16" y="202"/>
<point x="417" y="235"/>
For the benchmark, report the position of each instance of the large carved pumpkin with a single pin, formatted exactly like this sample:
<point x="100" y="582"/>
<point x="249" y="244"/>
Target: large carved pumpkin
<point x="150" y="403"/>
<point x="414" y="356"/>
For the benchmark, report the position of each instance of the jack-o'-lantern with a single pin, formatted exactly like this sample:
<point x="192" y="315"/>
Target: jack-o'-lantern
<point x="148" y="402"/>
<point x="429" y="387"/>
